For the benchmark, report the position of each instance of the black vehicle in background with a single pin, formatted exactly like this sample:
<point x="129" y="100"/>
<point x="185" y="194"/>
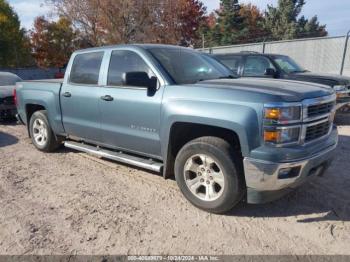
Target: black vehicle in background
<point x="7" y="103"/>
<point x="253" y="64"/>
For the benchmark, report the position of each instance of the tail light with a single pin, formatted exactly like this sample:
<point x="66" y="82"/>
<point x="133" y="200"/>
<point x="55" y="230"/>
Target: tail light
<point x="15" y="96"/>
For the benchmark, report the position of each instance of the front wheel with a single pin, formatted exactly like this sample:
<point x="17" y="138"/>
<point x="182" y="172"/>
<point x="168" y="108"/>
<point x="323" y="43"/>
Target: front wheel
<point x="208" y="172"/>
<point x="41" y="133"/>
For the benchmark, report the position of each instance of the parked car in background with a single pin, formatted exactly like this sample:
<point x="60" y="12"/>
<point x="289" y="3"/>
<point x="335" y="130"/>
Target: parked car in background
<point x="253" y="64"/>
<point x="177" y="111"/>
<point x="7" y="86"/>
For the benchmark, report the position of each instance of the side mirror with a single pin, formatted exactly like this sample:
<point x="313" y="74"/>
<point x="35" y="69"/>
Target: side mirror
<point x="141" y="79"/>
<point x="270" y="72"/>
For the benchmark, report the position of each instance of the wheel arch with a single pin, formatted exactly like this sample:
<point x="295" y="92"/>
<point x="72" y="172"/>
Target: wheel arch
<point x="182" y="132"/>
<point x="30" y="109"/>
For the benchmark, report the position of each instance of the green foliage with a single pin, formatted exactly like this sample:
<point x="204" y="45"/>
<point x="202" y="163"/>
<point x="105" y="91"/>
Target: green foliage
<point x="283" y="22"/>
<point x="229" y="27"/>
<point x="53" y="42"/>
<point x="14" y="45"/>
<point x="236" y="23"/>
<point x="311" y="28"/>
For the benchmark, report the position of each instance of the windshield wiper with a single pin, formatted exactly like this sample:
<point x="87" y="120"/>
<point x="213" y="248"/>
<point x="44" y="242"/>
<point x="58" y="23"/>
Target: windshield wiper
<point x="228" y="77"/>
<point x="299" y="71"/>
<point x="221" y="77"/>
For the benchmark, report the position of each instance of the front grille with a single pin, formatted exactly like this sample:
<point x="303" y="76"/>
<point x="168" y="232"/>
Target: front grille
<point x="9" y="101"/>
<point x="319" y="109"/>
<point x="317" y="131"/>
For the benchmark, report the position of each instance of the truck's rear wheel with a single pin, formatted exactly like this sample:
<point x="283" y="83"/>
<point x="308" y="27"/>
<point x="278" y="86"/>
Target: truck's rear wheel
<point x="41" y="133"/>
<point x="208" y="172"/>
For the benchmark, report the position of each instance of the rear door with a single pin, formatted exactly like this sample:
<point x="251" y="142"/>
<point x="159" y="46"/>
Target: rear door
<point x="80" y="97"/>
<point x="130" y="119"/>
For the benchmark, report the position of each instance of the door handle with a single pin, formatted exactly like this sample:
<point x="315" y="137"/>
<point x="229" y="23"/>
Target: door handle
<point x="107" y="98"/>
<point x="67" y="94"/>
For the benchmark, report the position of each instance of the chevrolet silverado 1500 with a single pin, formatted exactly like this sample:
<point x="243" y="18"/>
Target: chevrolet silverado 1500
<point x="176" y="111"/>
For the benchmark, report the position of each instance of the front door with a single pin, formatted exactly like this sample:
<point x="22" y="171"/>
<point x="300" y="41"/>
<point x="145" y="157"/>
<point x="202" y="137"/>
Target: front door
<point x="130" y="116"/>
<point x="80" y="97"/>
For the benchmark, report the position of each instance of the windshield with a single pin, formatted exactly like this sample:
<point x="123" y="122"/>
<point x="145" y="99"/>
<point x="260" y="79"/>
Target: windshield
<point x="187" y="66"/>
<point x="9" y="80"/>
<point x="288" y="65"/>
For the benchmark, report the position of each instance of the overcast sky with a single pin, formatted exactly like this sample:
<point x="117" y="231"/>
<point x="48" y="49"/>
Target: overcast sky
<point x="335" y="13"/>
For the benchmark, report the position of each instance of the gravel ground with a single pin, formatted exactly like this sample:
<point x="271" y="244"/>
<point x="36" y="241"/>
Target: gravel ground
<point x="72" y="203"/>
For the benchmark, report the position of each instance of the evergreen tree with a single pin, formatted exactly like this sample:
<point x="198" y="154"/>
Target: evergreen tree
<point x="14" y="45"/>
<point x="311" y="28"/>
<point x="229" y="27"/>
<point x="253" y="20"/>
<point x="283" y="22"/>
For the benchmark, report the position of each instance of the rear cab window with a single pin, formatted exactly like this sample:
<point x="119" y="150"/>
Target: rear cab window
<point x="86" y="68"/>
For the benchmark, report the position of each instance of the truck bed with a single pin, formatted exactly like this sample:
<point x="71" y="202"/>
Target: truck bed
<point x="45" y="81"/>
<point x="44" y="93"/>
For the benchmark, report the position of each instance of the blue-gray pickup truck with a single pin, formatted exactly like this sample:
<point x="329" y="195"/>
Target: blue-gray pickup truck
<point x="174" y="110"/>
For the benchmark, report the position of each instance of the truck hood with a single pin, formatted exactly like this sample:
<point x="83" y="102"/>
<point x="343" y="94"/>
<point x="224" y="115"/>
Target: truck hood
<point x="287" y="90"/>
<point x="327" y="79"/>
<point x="6" y="91"/>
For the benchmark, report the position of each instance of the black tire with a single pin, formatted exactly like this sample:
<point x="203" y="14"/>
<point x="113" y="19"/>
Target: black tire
<point x="230" y="163"/>
<point x="51" y="143"/>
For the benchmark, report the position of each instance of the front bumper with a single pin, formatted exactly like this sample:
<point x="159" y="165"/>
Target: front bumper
<point x="266" y="181"/>
<point x="7" y="111"/>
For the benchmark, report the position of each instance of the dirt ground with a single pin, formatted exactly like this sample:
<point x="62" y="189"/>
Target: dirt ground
<point x="72" y="203"/>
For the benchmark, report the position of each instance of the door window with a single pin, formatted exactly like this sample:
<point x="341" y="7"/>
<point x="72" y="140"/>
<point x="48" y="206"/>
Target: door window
<point x="123" y="61"/>
<point x="231" y="62"/>
<point x="256" y="66"/>
<point x="86" y="68"/>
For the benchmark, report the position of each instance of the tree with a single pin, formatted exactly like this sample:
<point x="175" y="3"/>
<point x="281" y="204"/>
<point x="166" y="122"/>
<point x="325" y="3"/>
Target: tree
<point x="311" y="28"/>
<point x="53" y="42"/>
<point x="283" y="23"/>
<point x="229" y="24"/>
<point x="119" y="21"/>
<point x="235" y="24"/>
<point x="86" y="17"/>
<point x="191" y="19"/>
<point x="253" y="20"/>
<point x="229" y="27"/>
<point x="14" y="51"/>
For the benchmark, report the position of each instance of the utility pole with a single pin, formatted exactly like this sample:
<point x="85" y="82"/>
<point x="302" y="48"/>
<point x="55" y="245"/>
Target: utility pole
<point x="203" y="41"/>
<point x="344" y="54"/>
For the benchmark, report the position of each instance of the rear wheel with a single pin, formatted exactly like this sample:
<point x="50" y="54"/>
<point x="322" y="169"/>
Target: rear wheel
<point x="41" y="133"/>
<point x="208" y="172"/>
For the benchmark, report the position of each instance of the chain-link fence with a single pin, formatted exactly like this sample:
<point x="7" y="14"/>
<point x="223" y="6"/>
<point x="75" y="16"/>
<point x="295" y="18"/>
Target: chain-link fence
<point x="323" y="55"/>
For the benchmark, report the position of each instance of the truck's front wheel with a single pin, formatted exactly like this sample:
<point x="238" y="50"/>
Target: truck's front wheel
<point x="41" y="133"/>
<point x="208" y="172"/>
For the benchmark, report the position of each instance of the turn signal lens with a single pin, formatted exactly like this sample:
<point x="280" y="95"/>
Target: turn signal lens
<point x="280" y="136"/>
<point x="271" y="136"/>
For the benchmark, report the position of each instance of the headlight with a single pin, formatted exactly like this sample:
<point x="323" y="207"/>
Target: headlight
<point x="282" y="135"/>
<point x="282" y="114"/>
<point x="341" y="91"/>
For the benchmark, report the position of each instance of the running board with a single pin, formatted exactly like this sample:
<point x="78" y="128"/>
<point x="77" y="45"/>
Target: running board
<point x="145" y="163"/>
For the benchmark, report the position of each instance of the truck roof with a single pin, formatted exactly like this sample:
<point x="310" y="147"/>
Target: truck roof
<point x="142" y="46"/>
<point x="245" y="53"/>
